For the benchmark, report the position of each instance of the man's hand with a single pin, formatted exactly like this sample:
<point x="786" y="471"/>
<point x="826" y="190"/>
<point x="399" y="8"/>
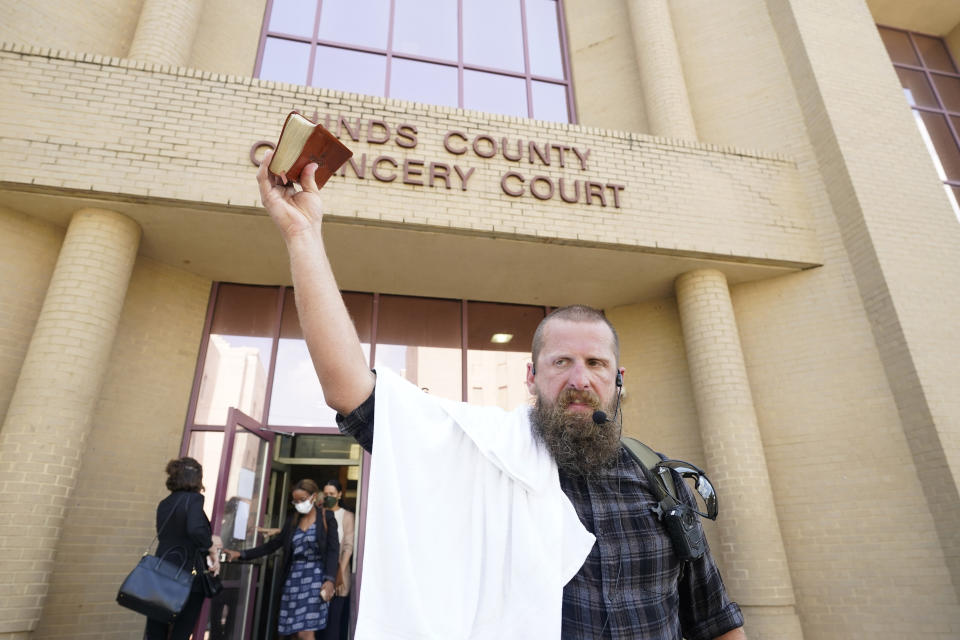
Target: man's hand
<point x="293" y="211"/>
<point x="232" y="556"/>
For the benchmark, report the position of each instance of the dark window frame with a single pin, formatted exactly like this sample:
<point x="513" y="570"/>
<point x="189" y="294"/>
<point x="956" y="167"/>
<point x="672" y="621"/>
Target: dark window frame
<point x="527" y="76"/>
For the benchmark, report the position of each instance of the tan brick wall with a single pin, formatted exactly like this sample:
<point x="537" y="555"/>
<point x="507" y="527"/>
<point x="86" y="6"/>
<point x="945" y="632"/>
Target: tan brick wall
<point x="679" y="198"/>
<point x="137" y="428"/>
<point x="661" y="72"/>
<point x="227" y="36"/>
<point x="807" y="342"/>
<point x="28" y="253"/>
<point x="165" y="31"/>
<point x="45" y="427"/>
<point x="103" y="27"/>
<point x="898" y="231"/>
<point x="604" y="66"/>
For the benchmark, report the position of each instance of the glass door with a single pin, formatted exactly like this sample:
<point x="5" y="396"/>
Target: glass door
<point x="238" y="507"/>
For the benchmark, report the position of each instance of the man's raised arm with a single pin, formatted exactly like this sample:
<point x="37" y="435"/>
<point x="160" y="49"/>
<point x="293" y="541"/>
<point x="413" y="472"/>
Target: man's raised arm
<point x="334" y="346"/>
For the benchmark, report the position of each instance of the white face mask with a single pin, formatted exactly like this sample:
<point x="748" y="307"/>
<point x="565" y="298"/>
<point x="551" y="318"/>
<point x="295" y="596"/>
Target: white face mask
<point x="303" y="507"/>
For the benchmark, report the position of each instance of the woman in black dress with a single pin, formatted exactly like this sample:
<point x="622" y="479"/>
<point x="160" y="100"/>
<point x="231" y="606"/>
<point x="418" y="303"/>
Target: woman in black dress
<point x="310" y="551"/>
<point x="184" y="536"/>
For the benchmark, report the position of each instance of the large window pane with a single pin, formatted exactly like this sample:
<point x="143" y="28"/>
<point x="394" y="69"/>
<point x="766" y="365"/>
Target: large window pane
<point x="285" y="61"/>
<point x="426" y="28"/>
<point x="498" y="342"/>
<point x="494" y="93"/>
<point x="949" y="89"/>
<point x="550" y="102"/>
<point x="352" y="71"/>
<point x="917" y="88"/>
<point x="293" y="17"/>
<point x="944" y="143"/>
<point x="424" y="82"/>
<point x="934" y="53"/>
<point x="493" y="34"/>
<point x="205" y="447"/>
<point x="899" y="47"/>
<point x="419" y="338"/>
<point x="238" y="353"/>
<point x="297" y="398"/>
<point x="543" y="39"/>
<point x="356" y="22"/>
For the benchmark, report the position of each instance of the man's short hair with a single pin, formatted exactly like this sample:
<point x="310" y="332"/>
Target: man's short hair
<point x="573" y="313"/>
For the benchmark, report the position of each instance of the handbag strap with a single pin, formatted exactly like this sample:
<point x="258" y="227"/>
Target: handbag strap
<point x="163" y="526"/>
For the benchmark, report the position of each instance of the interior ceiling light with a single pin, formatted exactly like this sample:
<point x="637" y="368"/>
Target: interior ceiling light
<point x="501" y="338"/>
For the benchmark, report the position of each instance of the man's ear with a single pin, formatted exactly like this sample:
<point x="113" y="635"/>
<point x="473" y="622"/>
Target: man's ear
<point x="531" y="385"/>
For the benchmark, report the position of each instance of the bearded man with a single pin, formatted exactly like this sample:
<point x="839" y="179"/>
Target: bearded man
<point x="487" y="524"/>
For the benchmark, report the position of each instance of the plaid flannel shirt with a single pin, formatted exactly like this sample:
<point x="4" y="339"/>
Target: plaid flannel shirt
<point x="631" y="585"/>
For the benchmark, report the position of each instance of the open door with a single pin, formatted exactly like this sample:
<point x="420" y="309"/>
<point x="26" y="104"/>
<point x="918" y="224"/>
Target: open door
<point x="238" y="508"/>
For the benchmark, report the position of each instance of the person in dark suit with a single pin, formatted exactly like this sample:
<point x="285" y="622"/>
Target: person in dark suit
<point x="310" y="558"/>
<point x="184" y="537"/>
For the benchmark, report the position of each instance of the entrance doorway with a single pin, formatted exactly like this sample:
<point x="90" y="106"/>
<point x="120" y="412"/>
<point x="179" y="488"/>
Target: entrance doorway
<point x="249" y="605"/>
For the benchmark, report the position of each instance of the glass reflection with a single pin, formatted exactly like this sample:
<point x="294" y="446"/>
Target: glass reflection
<point x="549" y="101"/>
<point x="493" y="34"/>
<point x="949" y="89"/>
<point x="297" y="398"/>
<point x="234" y="375"/>
<point x="419" y="338"/>
<point x="543" y="39"/>
<point x="498" y="341"/>
<point x="494" y="93"/>
<point x="357" y="22"/>
<point x="293" y="17"/>
<point x="352" y="71"/>
<point x="423" y="82"/>
<point x="917" y="88"/>
<point x="285" y="61"/>
<point x="426" y="28"/>
<point x="435" y="370"/>
<point x="205" y="447"/>
<point x="898" y="46"/>
<point x="934" y="53"/>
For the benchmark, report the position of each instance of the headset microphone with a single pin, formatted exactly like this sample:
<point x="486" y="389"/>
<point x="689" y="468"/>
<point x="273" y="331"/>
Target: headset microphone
<point x="599" y="417"/>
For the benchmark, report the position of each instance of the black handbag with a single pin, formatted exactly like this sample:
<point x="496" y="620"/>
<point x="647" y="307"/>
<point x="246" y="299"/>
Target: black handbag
<point x="156" y="587"/>
<point x="212" y="585"/>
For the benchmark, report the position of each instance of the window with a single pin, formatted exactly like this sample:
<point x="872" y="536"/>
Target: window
<point x="256" y="359"/>
<point x="931" y="84"/>
<point x="498" y="56"/>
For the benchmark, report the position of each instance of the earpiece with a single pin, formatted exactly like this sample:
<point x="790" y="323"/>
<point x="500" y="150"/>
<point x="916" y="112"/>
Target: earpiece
<point x="619" y="379"/>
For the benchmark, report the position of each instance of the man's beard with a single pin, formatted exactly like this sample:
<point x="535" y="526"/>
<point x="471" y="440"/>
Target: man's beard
<point x="580" y="446"/>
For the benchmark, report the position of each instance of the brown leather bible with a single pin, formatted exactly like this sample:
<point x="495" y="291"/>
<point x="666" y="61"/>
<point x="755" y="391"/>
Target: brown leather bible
<point x="303" y="141"/>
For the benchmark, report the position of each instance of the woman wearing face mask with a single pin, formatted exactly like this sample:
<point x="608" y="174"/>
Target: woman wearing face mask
<point x="339" y="610"/>
<point x="310" y="550"/>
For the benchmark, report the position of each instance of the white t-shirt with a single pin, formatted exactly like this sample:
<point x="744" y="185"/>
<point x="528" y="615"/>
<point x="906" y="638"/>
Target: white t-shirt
<point x="468" y="535"/>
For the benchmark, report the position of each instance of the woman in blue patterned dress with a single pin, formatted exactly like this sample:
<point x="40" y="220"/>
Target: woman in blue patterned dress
<point x="310" y="552"/>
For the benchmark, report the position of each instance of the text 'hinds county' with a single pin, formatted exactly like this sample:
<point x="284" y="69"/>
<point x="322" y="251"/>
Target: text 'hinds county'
<point x="485" y="148"/>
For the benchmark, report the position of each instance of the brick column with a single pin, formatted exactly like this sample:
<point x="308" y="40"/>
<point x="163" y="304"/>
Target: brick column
<point x="165" y="31"/>
<point x="751" y="552"/>
<point x="661" y="74"/>
<point x="41" y="442"/>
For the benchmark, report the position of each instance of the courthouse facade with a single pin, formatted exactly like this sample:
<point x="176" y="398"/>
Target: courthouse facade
<point x="760" y="194"/>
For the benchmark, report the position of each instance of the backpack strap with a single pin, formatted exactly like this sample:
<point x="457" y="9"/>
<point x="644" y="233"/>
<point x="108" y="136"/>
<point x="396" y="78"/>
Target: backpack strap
<point x="647" y="458"/>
